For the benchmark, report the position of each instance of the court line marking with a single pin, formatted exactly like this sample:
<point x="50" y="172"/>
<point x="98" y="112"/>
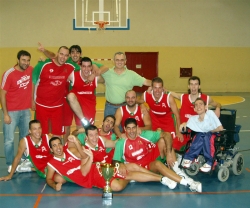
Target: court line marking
<point x="132" y="194"/>
<point x="38" y="201"/>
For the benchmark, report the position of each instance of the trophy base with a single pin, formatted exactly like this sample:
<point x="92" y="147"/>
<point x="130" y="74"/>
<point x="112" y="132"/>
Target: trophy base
<point x="107" y="202"/>
<point x="107" y="196"/>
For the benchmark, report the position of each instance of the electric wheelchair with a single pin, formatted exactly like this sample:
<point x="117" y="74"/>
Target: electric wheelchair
<point x="226" y="153"/>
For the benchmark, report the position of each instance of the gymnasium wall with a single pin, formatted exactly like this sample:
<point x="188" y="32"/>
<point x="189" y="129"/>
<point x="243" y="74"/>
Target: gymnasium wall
<point x="211" y="36"/>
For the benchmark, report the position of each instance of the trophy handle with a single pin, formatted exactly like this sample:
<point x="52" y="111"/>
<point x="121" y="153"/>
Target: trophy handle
<point x="116" y="168"/>
<point x="98" y="168"/>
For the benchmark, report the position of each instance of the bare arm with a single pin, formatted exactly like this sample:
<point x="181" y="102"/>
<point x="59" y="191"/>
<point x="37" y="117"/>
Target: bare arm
<point x="216" y="105"/>
<point x="176" y="95"/>
<point x="219" y="128"/>
<point x="20" y="151"/>
<point x="7" y="118"/>
<point x="86" y="163"/>
<point x="109" y="143"/>
<point x="147" y="82"/>
<point x="47" y="53"/>
<point x="118" y="120"/>
<point x="100" y="79"/>
<point x="177" y="116"/>
<point x="50" y="181"/>
<point x="146" y="119"/>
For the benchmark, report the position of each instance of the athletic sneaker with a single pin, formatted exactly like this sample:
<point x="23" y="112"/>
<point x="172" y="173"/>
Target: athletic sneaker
<point x="168" y="182"/>
<point x="26" y="163"/>
<point x="185" y="176"/>
<point x="196" y="187"/>
<point x="205" y="168"/>
<point x="186" y="163"/>
<point x="22" y="169"/>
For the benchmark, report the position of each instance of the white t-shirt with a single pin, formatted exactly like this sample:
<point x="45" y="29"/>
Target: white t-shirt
<point x="209" y="123"/>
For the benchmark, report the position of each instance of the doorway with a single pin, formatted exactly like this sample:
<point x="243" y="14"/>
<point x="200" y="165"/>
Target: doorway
<point x="144" y="64"/>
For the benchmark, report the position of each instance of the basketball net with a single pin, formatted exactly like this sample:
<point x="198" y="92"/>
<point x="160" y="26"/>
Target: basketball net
<point x="101" y="25"/>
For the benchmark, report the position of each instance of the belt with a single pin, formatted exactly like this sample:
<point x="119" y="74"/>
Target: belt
<point x="115" y="104"/>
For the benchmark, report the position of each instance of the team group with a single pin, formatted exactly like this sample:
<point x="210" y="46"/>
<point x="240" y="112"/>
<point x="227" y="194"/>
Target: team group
<point x="141" y="137"/>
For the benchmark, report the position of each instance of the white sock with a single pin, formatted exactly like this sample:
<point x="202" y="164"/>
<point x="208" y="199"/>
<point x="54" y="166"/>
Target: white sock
<point x="184" y="182"/>
<point x="176" y="167"/>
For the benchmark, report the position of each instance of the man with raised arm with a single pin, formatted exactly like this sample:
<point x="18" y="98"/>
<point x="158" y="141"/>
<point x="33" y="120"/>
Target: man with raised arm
<point x="76" y="165"/>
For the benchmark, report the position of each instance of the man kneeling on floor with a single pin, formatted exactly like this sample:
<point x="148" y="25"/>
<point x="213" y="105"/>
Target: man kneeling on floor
<point x="75" y="164"/>
<point x="36" y="147"/>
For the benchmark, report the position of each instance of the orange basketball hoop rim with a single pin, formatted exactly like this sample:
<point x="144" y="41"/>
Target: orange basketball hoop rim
<point x="101" y="25"/>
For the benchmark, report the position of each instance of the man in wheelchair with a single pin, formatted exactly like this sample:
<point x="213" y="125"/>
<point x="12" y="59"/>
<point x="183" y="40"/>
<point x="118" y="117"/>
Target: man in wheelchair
<point x="205" y="124"/>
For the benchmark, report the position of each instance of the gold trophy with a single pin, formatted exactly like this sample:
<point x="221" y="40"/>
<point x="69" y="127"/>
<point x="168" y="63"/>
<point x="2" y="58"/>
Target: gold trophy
<point x="107" y="171"/>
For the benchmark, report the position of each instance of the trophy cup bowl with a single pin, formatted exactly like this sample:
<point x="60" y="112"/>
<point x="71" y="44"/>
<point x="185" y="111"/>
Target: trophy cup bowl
<point x="107" y="171"/>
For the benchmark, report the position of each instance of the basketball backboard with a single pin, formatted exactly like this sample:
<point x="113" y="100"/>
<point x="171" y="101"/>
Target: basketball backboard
<point x="89" y="13"/>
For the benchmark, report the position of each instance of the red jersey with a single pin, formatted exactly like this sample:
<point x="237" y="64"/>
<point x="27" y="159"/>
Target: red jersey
<point x="85" y="93"/>
<point x="69" y="168"/>
<point x="187" y="107"/>
<point x="140" y="151"/>
<point x="137" y="115"/>
<point x="39" y="156"/>
<point x="18" y="85"/>
<point x="160" y="112"/>
<point x="51" y="84"/>
<point x="99" y="152"/>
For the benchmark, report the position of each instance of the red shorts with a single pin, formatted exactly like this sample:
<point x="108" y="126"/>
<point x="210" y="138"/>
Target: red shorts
<point x="150" y="157"/>
<point x="88" y="110"/>
<point x="67" y="114"/>
<point x="52" y="116"/>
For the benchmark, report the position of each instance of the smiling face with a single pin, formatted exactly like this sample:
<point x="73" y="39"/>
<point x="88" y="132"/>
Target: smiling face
<point x="86" y="69"/>
<point x="92" y="137"/>
<point x="131" y="131"/>
<point x="200" y="107"/>
<point x="120" y="61"/>
<point x="75" y="55"/>
<point x="157" y="89"/>
<point x="57" y="148"/>
<point x="35" y="131"/>
<point x="130" y="98"/>
<point x="63" y="55"/>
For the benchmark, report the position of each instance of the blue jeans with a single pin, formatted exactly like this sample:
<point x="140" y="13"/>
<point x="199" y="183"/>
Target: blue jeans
<point x="21" y="120"/>
<point x="110" y="110"/>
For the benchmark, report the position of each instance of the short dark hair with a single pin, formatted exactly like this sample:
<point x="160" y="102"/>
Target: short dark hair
<point x="76" y="47"/>
<point x="90" y="127"/>
<point x="194" y="78"/>
<point x="33" y="122"/>
<point x="109" y="116"/>
<point x="53" y="139"/>
<point x="85" y="59"/>
<point x="130" y="121"/>
<point x="201" y="100"/>
<point x="157" y="80"/>
<point x="23" y="53"/>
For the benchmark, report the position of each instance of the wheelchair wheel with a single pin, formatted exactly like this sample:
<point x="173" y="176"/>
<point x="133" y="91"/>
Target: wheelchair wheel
<point x="193" y="170"/>
<point x="238" y="163"/>
<point x="223" y="174"/>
